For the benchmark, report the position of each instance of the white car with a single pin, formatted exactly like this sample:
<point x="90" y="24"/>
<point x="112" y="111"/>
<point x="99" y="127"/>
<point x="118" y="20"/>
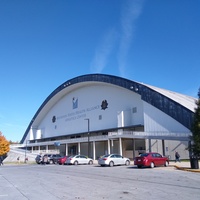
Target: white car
<point x="79" y="159"/>
<point x="113" y="159"/>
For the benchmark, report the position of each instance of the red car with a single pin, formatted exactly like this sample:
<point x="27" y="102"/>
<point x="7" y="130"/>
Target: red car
<point x="151" y="160"/>
<point x="61" y="161"/>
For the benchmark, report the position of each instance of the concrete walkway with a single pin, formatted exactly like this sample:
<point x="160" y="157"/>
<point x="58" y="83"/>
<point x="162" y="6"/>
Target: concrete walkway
<point x="14" y="154"/>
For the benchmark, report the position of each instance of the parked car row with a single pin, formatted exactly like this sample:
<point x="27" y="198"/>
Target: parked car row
<point x="48" y="158"/>
<point x="143" y="160"/>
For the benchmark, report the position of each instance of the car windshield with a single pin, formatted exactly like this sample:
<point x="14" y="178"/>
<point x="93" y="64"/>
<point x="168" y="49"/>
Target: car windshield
<point x="105" y="156"/>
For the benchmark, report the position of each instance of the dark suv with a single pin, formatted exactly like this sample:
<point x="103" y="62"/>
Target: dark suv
<point x="38" y="159"/>
<point x="55" y="158"/>
<point x="52" y="158"/>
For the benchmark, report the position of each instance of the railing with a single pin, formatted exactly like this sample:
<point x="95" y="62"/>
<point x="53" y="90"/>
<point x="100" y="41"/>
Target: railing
<point x="164" y="135"/>
<point x="45" y="151"/>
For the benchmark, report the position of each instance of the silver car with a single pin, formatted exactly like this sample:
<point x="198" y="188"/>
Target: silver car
<point x="79" y="159"/>
<point x="113" y="159"/>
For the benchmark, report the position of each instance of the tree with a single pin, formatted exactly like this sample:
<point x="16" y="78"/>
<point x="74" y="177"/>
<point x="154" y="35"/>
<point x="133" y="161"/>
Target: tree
<point x="12" y="142"/>
<point x="4" y="145"/>
<point x="195" y="129"/>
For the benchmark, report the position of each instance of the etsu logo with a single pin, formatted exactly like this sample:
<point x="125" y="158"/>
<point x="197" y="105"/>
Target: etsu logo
<point x="75" y="102"/>
<point x="104" y="105"/>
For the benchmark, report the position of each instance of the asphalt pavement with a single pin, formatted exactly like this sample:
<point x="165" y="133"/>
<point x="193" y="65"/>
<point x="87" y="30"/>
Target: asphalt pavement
<point x="93" y="182"/>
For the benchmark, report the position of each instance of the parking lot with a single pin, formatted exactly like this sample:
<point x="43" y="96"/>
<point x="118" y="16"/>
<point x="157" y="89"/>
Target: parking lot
<point x="20" y="182"/>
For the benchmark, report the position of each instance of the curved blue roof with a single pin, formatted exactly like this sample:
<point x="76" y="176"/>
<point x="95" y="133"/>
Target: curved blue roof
<point x="171" y="103"/>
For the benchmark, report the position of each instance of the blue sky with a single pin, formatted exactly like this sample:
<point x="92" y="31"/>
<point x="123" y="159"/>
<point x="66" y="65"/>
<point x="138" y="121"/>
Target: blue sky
<point x="43" y="43"/>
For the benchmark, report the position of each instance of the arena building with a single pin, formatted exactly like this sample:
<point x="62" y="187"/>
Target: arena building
<point x="96" y="114"/>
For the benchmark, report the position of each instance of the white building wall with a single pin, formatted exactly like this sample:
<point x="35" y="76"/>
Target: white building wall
<point x="181" y="146"/>
<point x="157" y="121"/>
<point x="170" y="147"/>
<point x="31" y="135"/>
<point x="87" y="104"/>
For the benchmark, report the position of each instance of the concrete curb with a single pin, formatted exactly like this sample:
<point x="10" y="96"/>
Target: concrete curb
<point x="187" y="169"/>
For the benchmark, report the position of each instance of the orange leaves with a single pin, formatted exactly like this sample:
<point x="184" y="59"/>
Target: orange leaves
<point x="4" y="145"/>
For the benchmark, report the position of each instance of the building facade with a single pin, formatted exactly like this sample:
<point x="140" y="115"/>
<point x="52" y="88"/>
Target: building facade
<point x="97" y="114"/>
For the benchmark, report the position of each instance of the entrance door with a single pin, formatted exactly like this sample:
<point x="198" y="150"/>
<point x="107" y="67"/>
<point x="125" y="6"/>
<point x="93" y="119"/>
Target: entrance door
<point x="72" y="150"/>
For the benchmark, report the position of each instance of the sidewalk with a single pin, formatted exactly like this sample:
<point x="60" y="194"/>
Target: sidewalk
<point x="185" y="166"/>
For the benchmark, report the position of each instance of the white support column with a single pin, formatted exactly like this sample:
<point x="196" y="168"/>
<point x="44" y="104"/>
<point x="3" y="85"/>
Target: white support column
<point x="66" y="149"/>
<point x="94" y="151"/>
<point x="39" y="149"/>
<point x="79" y="148"/>
<point x="120" y="146"/>
<point x="108" y="146"/>
<point x="47" y="150"/>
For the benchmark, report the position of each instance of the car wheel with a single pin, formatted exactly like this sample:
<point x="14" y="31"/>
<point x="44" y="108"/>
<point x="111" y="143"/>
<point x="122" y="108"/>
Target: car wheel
<point x="90" y="162"/>
<point x="111" y="164"/>
<point x="166" y="164"/>
<point x="152" y="165"/>
<point x="51" y="161"/>
<point x="139" y="166"/>
<point x="76" y="162"/>
<point x="127" y="163"/>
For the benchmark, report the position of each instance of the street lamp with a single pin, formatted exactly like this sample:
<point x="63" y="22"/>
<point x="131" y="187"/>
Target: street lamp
<point x="25" y="159"/>
<point x="88" y="120"/>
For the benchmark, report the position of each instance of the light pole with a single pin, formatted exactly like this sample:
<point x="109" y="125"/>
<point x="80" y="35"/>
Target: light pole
<point x="25" y="152"/>
<point x="88" y="120"/>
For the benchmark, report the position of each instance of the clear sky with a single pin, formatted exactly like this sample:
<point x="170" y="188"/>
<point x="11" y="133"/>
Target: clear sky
<point x="43" y="43"/>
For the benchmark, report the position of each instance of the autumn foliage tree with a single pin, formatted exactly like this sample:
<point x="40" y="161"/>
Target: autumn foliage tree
<point x="4" y="145"/>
